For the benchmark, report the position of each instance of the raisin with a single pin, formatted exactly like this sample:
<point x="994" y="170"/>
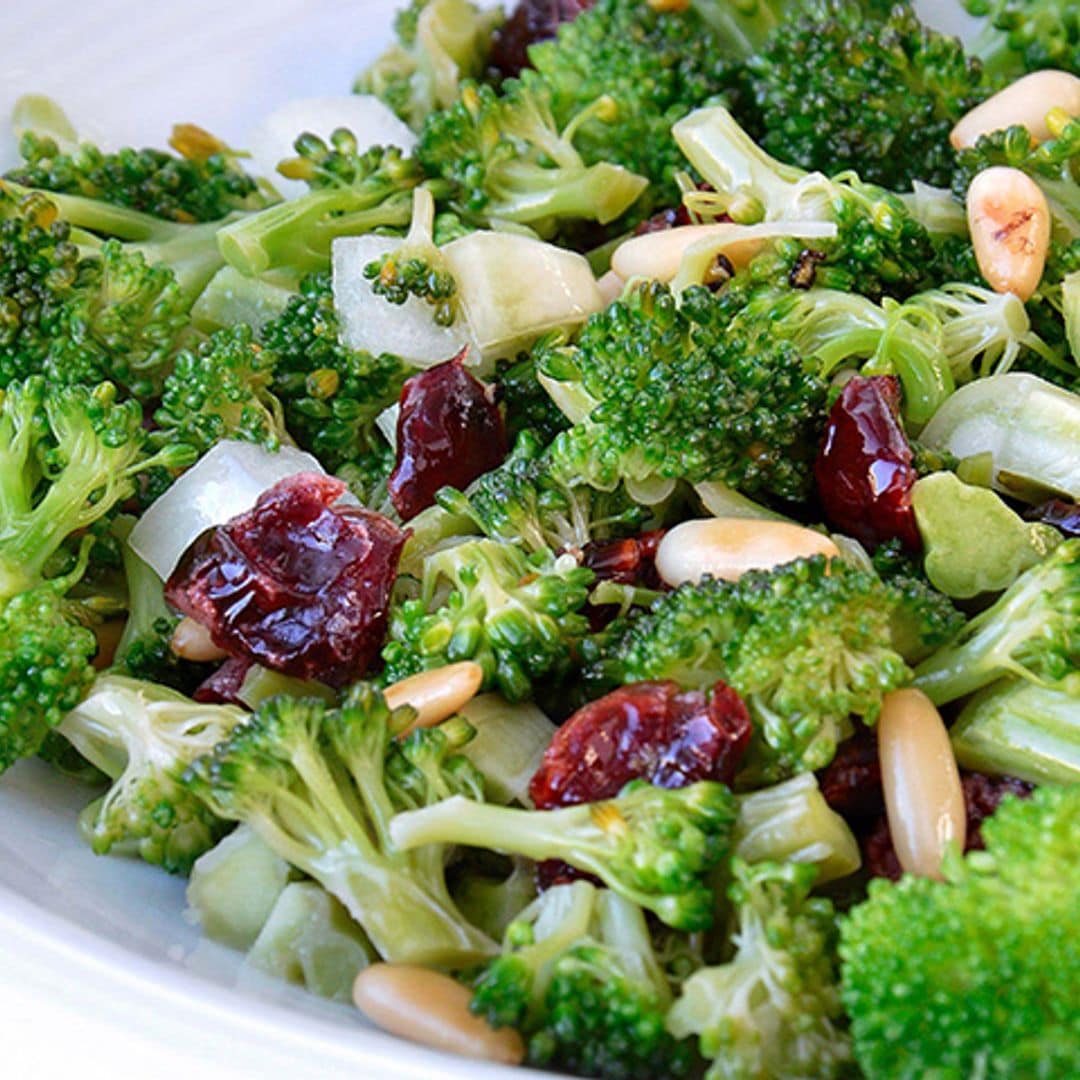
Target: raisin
<point x="864" y="469"/>
<point x="223" y="686"/>
<point x="529" y="22"/>
<point x="851" y="783"/>
<point x="449" y="432"/>
<point x="297" y="584"/>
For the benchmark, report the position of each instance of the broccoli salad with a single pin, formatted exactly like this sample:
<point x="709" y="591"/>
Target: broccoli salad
<point x="574" y="546"/>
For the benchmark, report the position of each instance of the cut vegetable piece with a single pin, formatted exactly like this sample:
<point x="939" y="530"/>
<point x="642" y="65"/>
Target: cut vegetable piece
<point x="226" y="482"/>
<point x="1030" y="427"/>
<point x="234" y="887"/>
<point x="232" y="297"/>
<point x="260" y="684"/>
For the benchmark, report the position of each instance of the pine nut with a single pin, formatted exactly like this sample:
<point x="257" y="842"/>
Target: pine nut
<point x="1010" y="229"/>
<point x="727" y="547"/>
<point x="924" y="801"/>
<point x="431" y="1008"/>
<point x="436" y="695"/>
<point x="658" y="255"/>
<point x="1026" y="102"/>
<point x="191" y="641"/>
<point x="611" y="287"/>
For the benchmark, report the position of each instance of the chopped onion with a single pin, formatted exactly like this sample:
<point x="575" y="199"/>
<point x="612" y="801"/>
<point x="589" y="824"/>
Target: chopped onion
<point x="224" y="483"/>
<point x="386" y="422"/>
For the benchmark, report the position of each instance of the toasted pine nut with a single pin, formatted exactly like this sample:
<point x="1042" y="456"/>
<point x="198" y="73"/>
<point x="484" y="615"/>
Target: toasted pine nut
<point x="431" y="1008"/>
<point x="727" y="547"/>
<point x="611" y="287"/>
<point x="669" y="5"/>
<point x="658" y="255"/>
<point x="191" y="641"/>
<point x="1010" y="229"/>
<point x="1026" y="102"/>
<point x="924" y="801"/>
<point x="437" y="694"/>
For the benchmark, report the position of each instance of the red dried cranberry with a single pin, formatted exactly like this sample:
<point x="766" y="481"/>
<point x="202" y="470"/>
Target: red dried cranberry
<point x="629" y="562"/>
<point x="449" y="432"/>
<point x="224" y="685"/>
<point x="297" y="583"/>
<point x="864" y="471"/>
<point x="1064" y="516"/>
<point x="529" y="22"/>
<point x="649" y="730"/>
<point x="851" y="783"/>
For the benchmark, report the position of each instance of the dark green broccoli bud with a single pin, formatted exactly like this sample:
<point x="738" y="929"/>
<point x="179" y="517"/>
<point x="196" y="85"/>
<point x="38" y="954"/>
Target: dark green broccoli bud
<point x="517" y="616"/>
<point x="826" y="87"/>
<point x="807" y="645"/>
<point x="923" y="619"/>
<point x="439" y="43"/>
<point x="652" y="846"/>
<point x="774" y="1009"/>
<point x="68" y="456"/>
<point x="526" y="502"/>
<point x="352" y="191"/>
<point x="526" y="404"/>
<point x="1024" y="35"/>
<point x="321" y="787"/>
<point x="654" y="66"/>
<point x="143" y="737"/>
<point x="580" y="979"/>
<point x="331" y="393"/>
<point x="221" y="390"/>
<point x="991" y="951"/>
<point x="202" y="182"/>
<point x="1032" y="631"/>
<point x="509" y="161"/>
<point x="664" y="392"/>
<point x="44" y="669"/>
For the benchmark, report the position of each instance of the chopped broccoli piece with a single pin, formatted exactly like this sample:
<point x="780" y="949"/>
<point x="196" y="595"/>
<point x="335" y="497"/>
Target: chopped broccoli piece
<point x="652" y="846"/>
<point x="1032" y="631"/>
<point x="579" y="977"/>
<point x="992" y="951"/>
<point x="774" y="1009"/>
<point x="525" y="402"/>
<point x="517" y="616"/>
<point x="321" y="785"/>
<point x="1024" y="35"/>
<point x="143" y="736"/>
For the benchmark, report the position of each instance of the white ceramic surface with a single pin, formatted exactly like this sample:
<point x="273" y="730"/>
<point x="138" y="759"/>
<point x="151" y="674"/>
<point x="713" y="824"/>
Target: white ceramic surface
<point x="99" y="973"/>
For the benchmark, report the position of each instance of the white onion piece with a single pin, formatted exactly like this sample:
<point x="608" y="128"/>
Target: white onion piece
<point x="224" y="483"/>
<point x="365" y="116"/>
<point x="386" y="422"/>
<point x="372" y="324"/>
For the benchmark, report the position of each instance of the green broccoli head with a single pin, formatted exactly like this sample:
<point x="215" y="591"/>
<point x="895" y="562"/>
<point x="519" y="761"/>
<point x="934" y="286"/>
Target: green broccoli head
<point x="1018" y="36"/>
<point x="665" y="391"/>
<point x="773" y="1009"/>
<point x="807" y="645"/>
<point x="526" y="404"/>
<point x="331" y="394"/>
<point x="1032" y="631"/>
<point x="517" y="616"/>
<point x="222" y="390"/>
<point x="579" y="977"/>
<point x="320" y="785"/>
<point x="143" y="736"/>
<point x="652" y="846"/>
<point x="992" y="950"/>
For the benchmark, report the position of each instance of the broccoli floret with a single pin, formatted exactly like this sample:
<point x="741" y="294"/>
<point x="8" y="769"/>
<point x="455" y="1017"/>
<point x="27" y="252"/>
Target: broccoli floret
<point x="525" y="501"/>
<point x="352" y="191"/>
<point x="221" y="390"/>
<point x="774" y="1009"/>
<point x="143" y="736"/>
<point x="1024" y="35"/>
<point x="976" y="974"/>
<point x="526" y="404"/>
<point x="510" y="162"/>
<point x="201" y="182"/>
<point x="652" y="846"/>
<point x="439" y="43"/>
<point x="321" y="785"/>
<point x="668" y="392"/>
<point x="807" y="645"/>
<point x="1032" y="631"/>
<point x="331" y="393"/>
<point x="880" y="247"/>
<point x="517" y="616"/>
<point x="579" y="978"/>
<point x="826" y="87"/>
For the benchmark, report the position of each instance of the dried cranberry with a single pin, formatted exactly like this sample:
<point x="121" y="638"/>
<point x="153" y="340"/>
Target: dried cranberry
<point x="851" y="783"/>
<point x="864" y="469"/>
<point x="449" y="432"/>
<point x="297" y="583"/>
<point x="629" y="562"/>
<point x="1064" y="516"/>
<point x="529" y="22"/>
<point x="648" y="730"/>
<point x="224" y="685"/>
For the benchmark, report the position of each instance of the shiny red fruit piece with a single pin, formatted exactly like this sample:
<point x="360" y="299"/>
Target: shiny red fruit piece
<point x="864" y="469"/>
<point x="223" y="687"/>
<point x="631" y="561"/>
<point x="449" y="432"/>
<point x="298" y="584"/>
<point x="529" y="22"/>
